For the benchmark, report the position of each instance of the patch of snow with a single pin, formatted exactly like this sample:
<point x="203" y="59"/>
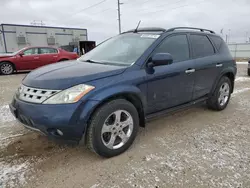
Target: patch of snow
<point x="153" y="157"/>
<point x="13" y="175"/>
<point x="12" y="136"/>
<point x="242" y="79"/>
<point x="157" y="179"/>
<point x="237" y="91"/>
<point x="242" y="63"/>
<point x="5" y="114"/>
<point x="95" y="186"/>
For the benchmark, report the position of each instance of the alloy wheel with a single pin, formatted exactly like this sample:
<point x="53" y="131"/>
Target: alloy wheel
<point x="6" y="68"/>
<point x="224" y="94"/>
<point x="117" y="129"/>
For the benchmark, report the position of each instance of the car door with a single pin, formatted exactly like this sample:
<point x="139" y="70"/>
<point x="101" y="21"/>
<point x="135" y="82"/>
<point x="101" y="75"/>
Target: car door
<point x="171" y="85"/>
<point x="48" y="55"/>
<point x="207" y="64"/>
<point x="29" y="59"/>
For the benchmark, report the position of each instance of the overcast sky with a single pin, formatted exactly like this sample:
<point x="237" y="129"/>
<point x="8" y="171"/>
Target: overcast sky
<point x="101" y="20"/>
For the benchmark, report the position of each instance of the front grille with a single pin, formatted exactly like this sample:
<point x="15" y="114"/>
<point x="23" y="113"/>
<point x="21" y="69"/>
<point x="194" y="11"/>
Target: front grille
<point x="34" y="95"/>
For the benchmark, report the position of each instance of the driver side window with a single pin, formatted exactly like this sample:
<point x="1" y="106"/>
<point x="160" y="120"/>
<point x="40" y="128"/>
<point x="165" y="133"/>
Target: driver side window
<point x="177" y="46"/>
<point x="31" y="51"/>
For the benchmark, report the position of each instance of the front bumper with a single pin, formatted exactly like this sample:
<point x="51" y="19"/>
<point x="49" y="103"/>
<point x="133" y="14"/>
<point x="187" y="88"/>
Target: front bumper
<point x="70" y="119"/>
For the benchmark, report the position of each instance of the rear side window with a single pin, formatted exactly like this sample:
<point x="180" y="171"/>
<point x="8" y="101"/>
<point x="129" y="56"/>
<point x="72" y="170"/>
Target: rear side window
<point x="48" y="51"/>
<point x="201" y="45"/>
<point x="217" y="41"/>
<point x="219" y="44"/>
<point x="177" y="46"/>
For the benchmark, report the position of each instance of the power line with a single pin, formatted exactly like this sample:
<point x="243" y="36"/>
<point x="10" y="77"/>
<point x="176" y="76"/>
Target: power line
<point x="173" y="3"/>
<point x="89" y="7"/>
<point x="105" y="10"/>
<point x="199" y="2"/>
<point x="130" y="0"/>
<point x="135" y="2"/>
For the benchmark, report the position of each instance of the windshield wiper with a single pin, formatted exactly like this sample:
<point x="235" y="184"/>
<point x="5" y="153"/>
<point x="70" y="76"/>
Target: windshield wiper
<point x="91" y="61"/>
<point x="98" y="62"/>
<point x="104" y="63"/>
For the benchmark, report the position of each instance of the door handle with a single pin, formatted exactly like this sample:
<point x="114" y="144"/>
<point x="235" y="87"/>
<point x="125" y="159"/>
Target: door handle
<point x="54" y="56"/>
<point x="36" y="57"/>
<point x="219" y="65"/>
<point x="190" y="71"/>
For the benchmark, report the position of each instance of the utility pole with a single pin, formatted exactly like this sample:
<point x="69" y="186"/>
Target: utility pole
<point x="229" y="35"/>
<point x="119" y="15"/>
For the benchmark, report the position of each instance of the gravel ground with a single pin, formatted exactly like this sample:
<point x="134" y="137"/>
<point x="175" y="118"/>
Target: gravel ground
<point x="192" y="148"/>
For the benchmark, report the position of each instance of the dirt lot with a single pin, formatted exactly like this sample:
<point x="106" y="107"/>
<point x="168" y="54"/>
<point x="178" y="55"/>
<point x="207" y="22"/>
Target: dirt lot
<point x="191" y="148"/>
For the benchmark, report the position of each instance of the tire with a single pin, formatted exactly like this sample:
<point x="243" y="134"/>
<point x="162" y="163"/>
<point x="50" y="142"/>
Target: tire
<point x="219" y="100"/>
<point x="248" y="72"/>
<point x="98" y="138"/>
<point x="6" y="68"/>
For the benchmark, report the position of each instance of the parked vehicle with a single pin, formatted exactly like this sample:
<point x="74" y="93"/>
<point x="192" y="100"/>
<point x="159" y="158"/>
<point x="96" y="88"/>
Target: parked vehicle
<point x="104" y="96"/>
<point x="33" y="57"/>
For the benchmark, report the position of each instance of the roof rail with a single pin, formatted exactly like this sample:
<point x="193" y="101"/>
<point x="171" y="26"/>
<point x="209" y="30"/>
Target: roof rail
<point x="147" y="29"/>
<point x="191" y="28"/>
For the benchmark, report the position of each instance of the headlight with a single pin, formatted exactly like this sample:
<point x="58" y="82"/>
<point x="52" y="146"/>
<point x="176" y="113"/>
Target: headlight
<point x="19" y="90"/>
<point x="70" y="95"/>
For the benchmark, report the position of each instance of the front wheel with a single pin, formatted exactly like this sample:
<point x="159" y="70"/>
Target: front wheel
<point x="113" y="128"/>
<point x="248" y="72"/>
<point x="6" y="68"/>
<point x="221" y="96"/>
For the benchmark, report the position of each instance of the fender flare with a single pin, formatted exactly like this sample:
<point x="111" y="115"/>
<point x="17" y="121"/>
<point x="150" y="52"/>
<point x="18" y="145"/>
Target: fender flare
<point x="107" y="94"/>
<point x="117" y="91"/>
<point x="228" y="70"/>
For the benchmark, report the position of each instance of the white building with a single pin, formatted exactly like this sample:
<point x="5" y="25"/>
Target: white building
<point x="14" y="37"/>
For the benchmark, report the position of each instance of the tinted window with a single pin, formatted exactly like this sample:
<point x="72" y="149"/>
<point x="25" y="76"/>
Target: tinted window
<point x="177" y="46"/>
<point x="48" y="51"/>
<point x="201" y="46"/>
<point x="217" y="41"/>
<point x="220" y="44"/>
<point x="31" y="51"/>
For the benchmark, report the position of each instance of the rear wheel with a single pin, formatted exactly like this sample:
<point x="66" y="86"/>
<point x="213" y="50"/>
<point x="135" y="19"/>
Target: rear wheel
<point x="6" y="68"/>
<point x="113" y="128"/>
<point x="221" y="96"/>
<point x="248" y="72"/>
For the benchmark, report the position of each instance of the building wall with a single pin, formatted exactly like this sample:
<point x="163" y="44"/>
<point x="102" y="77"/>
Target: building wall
<point x="37" y="36"/>
<point x="241" y="50"/>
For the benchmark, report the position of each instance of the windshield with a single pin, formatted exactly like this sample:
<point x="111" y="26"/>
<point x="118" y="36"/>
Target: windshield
<point x="17" y="52"/>
<point x="123" y="49"/>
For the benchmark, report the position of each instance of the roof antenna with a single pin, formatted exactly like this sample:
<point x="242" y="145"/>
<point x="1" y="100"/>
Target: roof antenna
<point x="135" y="31"/>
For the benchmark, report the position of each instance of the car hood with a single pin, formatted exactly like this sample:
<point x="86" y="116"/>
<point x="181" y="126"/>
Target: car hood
<point x="6" y="55"/>
<point x="67" y="74"/>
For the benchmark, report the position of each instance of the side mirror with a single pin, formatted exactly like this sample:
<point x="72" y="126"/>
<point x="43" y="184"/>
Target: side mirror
<point x="160" y="59"/>
<point x="21" y="54"/>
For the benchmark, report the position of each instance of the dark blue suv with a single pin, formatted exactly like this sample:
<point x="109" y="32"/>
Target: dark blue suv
<point x="103" y="97"/>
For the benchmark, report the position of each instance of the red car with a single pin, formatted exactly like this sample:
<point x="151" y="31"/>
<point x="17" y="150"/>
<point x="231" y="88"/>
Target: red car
<point x="33" y="57"/>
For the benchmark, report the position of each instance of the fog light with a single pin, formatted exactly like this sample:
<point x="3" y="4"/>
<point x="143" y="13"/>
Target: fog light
<point x="59" y="132"/>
